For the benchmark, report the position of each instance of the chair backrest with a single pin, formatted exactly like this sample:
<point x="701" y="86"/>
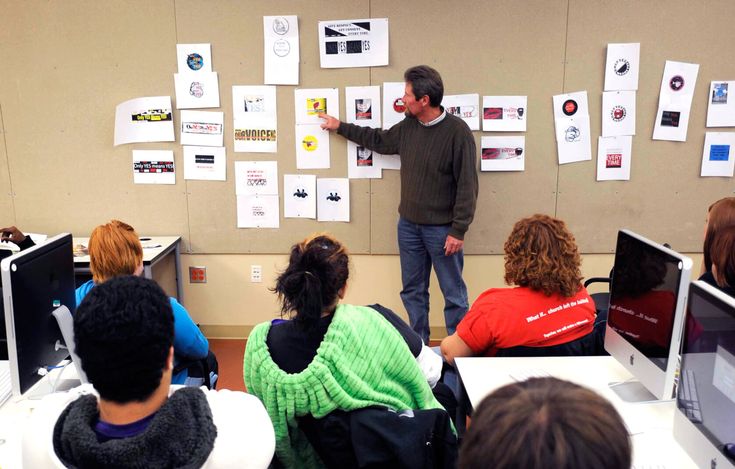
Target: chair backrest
<point x="588" y="345"/>
<point x="66" y="325"/>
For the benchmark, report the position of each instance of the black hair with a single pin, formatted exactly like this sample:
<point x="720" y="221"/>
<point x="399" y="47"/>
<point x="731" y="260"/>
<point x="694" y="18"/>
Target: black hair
<point x="317" y="270"/>
<point x="123" y="331"/>
<point x="425" y="81"/>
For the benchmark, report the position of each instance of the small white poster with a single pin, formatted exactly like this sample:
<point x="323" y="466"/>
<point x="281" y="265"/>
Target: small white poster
<point x="153" y="167"/>
<point x="718" y="157"/>
<point x="196" y="90"/>
<point x="205" y="163"/>
<point x="254" y="103"/>
<point x="309" y="103"/>
<point x="675" y="101"/>
<point x="393" y="106"/>
<point x="299" y="196"/>
<point x="194" y="58"/>
<point x="144" y="120"/>
<point x="618" y="113"/>
<point x="464" y="106"/>
<point x="281" y="50"/>
<point x="503" y="153"/>
<point x="362" y="106"/>
<point x="333" y="199"/>
<point x="622" y="66"/>
<point x="353" y="43"/>
<point x="361" y="163"/>
<point x="257" y="211"/>
<point x="721" y="109"/>
<point x="614" y="157"/>
<point x="256" y="177"/>
<point x="573" y="141"/>
<point x="312" y="147"/>
<point x="203" y="128"/>
<point x="504" y="113"/>
<point x="570" y="105"/>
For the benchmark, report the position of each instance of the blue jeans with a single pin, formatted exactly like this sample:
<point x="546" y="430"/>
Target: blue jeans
<point x="420" y="247"/>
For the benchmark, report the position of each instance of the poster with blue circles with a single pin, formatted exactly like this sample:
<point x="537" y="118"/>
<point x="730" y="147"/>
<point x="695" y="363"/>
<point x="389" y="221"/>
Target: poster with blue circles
<point x="194" y="58"/>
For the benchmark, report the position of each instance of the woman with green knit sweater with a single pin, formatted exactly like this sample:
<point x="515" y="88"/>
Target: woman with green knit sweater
<point x="330" y="356"/>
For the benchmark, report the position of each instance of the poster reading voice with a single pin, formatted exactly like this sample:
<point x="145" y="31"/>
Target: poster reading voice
<point x="255" y="119"/>
<point x="353" y="43"/>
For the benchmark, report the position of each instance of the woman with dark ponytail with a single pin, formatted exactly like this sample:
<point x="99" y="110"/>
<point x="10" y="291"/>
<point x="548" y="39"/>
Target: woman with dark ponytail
<point x="329" y="356"/>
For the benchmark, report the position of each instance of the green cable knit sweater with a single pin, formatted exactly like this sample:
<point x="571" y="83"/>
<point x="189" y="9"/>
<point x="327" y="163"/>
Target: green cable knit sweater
<point x="362" y="361"/>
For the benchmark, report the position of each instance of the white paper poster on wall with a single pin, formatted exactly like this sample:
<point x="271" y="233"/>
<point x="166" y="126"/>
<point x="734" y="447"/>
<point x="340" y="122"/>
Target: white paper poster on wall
<point x="299" y="196"/>
<point x="194" y="58"/>
<point x="312" y="147"/>
<point x="309" y="103"/>
<point x="721" y="108"/>
<point x="256" y="177"/>
<point x="622" y="66"/>
<point x="362" y="106"/>
<point x="573" y="141"/>
<point x="504" y="113"/>
<point x="255" y="119"/>
<point x="144" y="120"/>
<point x="196" y="90"/>
<point x="257" y="211"/>
<point x="570" y="105"/>
<point x="464" y="106"/>
<point x="614" y="158"/>
<point x="153" y="167"/>
<point x="361" y="163"/>
<point x="618" y="113"/>
<point x="333" y="199"/>
<point x="281" y="50"/>
<point x="718" y="157"/>
<point x="503" y="153"/>
<point x="675" y="101"/>
<point x="205" y="163"/>
<point x="393" y="105"/>
<point x="204" y="128"/>
<point x="353" y="43"/>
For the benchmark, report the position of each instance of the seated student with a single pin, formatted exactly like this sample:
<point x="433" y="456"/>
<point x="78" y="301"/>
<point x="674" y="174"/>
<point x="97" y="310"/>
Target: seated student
<point x="13" y="235"/>
<point x="545" y="422"/>
<point x="330" y="356"/>
<point x="721" y="254"/>
<point x="130" y="416"/>
<point x="115" y="250"/>
<point x="719" y="215"/>
<point x="548" y="307"/>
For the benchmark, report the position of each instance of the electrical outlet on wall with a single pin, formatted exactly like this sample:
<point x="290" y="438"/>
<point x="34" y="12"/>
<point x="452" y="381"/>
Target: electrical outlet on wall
<point x="256" y="273"/>
<point x="197" y="274"/>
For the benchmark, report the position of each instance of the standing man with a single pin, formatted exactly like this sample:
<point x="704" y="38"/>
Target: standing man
<point x="438" y="194"/>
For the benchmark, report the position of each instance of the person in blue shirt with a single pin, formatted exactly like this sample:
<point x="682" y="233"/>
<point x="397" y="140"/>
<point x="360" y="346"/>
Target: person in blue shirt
<point x="114" y="251"/>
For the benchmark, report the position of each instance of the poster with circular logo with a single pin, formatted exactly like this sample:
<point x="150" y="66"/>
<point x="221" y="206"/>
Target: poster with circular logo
<point x="194" y="61"/>
<point x="310" y="143"/>
<point x="570" y="107"/>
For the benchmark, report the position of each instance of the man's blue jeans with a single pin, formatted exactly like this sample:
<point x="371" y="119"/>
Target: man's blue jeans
<point x="420" y="247"/>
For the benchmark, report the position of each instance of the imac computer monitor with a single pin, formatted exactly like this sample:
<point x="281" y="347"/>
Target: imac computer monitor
<point x="647" y="301"/>
<point x="35" y="283"/>
<point x="704" y="421"/>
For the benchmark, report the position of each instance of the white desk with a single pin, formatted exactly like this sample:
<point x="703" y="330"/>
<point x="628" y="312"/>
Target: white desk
<point x="650" y="424"/>
<point x="155" y="249"/>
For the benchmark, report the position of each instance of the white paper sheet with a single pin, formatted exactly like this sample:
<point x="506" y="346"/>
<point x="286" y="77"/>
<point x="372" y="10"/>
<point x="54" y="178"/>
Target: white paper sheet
<point x="573" y="142"/>
<point x="202" y="128"/>
<point x="614" y="158"/>
<point x="718" y="157"/>
<point x="675" y="101"/>
<point x="255" y="119"/>
<point x="196" y="90"/>
<point x="353" y="43"/>
<point x="504" y="113"/>
<point x="257" y="211"/>
<point x="361" y="164"/>
<point x="205" y="163"/>
<point x="503" y="153"/>
<point x="153" y="167"/>
<point x="464" y="106"/>
<point x="308" y="103"/>
<point x="387" y="161"/>
<point x="333" y="199"/>
<point x="622" y="66"/>
<point x="570" y="105"/>
<point x="194" y="58"/>
<point x="144" y="120"/>
<point x="299" y="196"/>
<point x="362" y="105"/>
<point x="721" y="108"/>
<point x="256" y="177"/>
<point x="312" y="147"/>
<point x="281" y="50"/>
<point x="618" y="113"/>
<point x="393" y="106"/>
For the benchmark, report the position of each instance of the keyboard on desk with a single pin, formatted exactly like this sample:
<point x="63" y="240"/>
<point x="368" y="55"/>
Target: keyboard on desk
<point x="688" y="398"/>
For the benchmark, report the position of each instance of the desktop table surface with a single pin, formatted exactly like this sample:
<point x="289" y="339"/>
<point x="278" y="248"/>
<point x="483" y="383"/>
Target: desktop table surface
<point x="153" y="248"/>
<point x="650" y="424"/>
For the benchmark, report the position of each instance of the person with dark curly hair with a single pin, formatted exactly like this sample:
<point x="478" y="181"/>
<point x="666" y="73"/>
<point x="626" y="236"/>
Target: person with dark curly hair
<point x="549" y="306"/>
<point x="545" y="422"/>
